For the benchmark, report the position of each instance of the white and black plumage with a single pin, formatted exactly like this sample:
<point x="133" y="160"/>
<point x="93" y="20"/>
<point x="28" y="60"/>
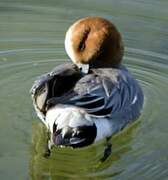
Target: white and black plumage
<point x="103" y="101"/>
<point x="80" y="106"/>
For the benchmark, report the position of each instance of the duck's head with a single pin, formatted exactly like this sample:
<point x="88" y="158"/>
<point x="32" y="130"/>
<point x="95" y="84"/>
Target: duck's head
<point x="94" y="42"/>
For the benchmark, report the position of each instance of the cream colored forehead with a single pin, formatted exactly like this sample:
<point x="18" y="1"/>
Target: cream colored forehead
<point x="70" y="51"/>
<point x="69" y="44"/>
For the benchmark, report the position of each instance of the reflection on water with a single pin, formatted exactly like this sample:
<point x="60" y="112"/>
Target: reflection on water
<point x="76" y="163"/>
<point x="31" y="43"/>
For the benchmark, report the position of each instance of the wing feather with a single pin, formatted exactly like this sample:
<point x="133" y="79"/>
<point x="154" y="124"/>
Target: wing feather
<point x="99" y="94"/>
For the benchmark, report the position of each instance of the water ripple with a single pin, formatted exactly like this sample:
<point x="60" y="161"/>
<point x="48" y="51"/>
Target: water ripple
<point x="31" y="43"/>
<point x="129" y="145"/>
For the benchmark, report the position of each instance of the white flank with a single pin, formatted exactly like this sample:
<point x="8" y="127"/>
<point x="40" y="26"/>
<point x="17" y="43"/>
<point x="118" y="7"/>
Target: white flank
<point x="73" y="117"/>
<point x="104" y="129"/>
<point x="64" y="116"/>
<point x="50" y="118"/>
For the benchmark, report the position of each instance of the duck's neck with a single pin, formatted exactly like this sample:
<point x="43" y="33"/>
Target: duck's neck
<point x="101" y="64"/>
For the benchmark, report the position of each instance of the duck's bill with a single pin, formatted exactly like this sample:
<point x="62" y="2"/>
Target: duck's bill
<point x="83" y="67"/>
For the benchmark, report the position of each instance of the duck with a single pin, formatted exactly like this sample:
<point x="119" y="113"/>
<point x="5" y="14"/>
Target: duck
<point x="94" y="96"/>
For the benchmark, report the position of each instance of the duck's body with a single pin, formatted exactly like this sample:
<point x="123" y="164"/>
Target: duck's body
<point x="93" y="98"/>
<point x="105" y="100"/>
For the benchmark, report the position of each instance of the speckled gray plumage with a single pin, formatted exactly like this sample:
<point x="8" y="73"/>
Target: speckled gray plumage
<point x="110" y="93"/>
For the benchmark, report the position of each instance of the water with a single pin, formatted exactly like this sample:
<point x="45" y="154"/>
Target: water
<point x="31" y="43"/>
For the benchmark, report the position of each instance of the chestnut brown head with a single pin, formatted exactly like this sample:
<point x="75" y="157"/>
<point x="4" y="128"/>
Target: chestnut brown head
<point x="94" y="41"/>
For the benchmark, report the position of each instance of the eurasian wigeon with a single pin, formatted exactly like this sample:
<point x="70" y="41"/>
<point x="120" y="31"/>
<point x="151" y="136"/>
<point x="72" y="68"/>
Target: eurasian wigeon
<point x="95" y="96"/>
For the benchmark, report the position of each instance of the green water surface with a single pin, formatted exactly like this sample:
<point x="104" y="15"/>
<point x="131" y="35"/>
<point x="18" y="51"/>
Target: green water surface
<point x="32" y="42"/>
